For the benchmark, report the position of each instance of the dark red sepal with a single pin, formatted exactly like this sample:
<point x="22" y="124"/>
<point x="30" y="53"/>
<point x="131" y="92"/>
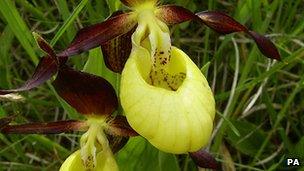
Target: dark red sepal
<point x="5" y="121"/>
<point x="45" y="128"/>
<point x="172" y="14"/>
<point x="220" y="22"/>
<point x="224" y="24"/>
<point x="87" y="93"/>
<point x="265" y="45"/>
<point x="117" y="51"/>
<point x="204" y="159"/>
<point x="45" y="46"/>
<point x="119" y="126"/>
<point x="46" y="68"/>
<point x="93" y="36"/>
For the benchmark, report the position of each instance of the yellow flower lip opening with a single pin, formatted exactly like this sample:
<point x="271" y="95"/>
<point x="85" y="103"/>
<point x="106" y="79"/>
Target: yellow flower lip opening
<point x="170" y="79"/>
<point x="173" y="121"/>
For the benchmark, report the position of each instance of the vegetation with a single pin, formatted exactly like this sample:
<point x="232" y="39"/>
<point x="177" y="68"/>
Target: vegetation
<point x="259" y="101"/>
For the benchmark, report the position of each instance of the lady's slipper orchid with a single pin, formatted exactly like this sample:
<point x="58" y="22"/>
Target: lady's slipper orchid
<point x="165" y="97"/>
<point x="95" y="98"/>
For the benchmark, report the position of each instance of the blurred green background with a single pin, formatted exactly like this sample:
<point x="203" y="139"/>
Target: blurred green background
<point x="260" y="106"/>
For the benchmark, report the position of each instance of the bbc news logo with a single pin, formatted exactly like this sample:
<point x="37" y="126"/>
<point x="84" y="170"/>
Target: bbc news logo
<point x="293" y="162"/>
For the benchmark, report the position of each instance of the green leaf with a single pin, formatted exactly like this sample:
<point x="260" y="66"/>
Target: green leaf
<point x="19" y="28"/>
<point x="232" y="127"/>
<point x="139" y="154"/>
<point x="95" y="65"/>
<point x="69" y="21"/>
<point x="65" y="13"/>
<point x="298" y="150"/>
<point x="250" y="139"/>
<point x="6" y="40"/>
<point x="47" y="145"/>
<point x="167" y="161"/>
<point x="205" y="69"/>
<point x="2" y="112"/>
<point x="113" y="5"/>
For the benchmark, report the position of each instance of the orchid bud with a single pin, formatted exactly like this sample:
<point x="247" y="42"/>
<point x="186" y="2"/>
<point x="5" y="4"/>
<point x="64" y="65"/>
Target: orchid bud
<point x="165" y="96"/>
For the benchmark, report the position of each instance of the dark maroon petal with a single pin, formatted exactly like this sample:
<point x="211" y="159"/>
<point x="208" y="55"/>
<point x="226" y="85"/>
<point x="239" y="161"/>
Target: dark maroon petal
<point x="46" y="128"/>
<point x="117" y="51"/>
<point x="5" y="121"/>
<point x="265" y="45"/>
<point x="220" y="22"/>
<point x="224" y="24"/>
<point x="204" y="159"/>
<point x="93" y="36"/>
<point x="120" y="126"/>
<point x="45" y="46"/>
<point x="87" y="93"/>
<point x="46" y="68"/>
<point x="172" y="14"/>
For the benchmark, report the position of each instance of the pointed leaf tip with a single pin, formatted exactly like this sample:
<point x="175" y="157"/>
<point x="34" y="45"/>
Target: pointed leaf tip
<point x="265" y="45"/>
<point x="204" y="159"/>
<point x="87" y="93"/>
<point x="93" y="36"/>
<point x="45" y="128"/>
